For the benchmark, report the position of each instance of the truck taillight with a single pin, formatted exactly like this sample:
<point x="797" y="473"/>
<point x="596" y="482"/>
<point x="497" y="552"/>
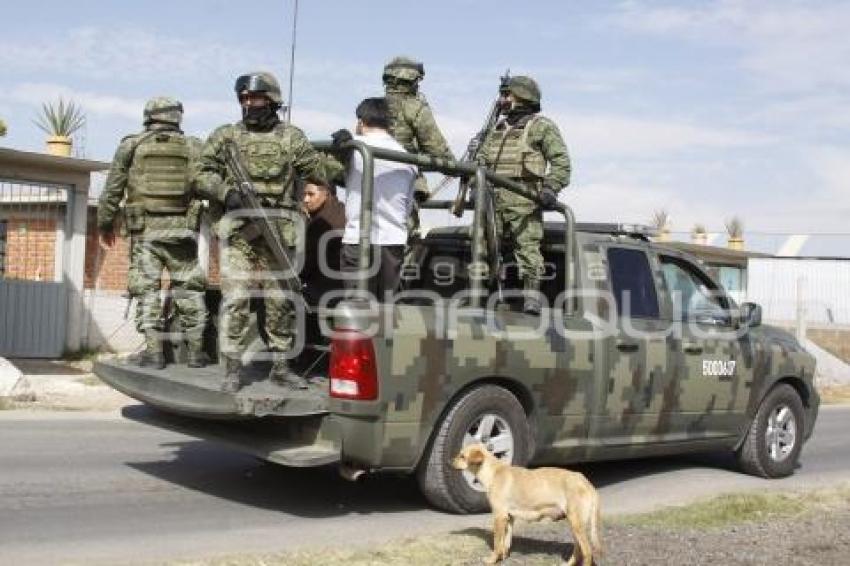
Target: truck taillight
<point x="353" y="371"/>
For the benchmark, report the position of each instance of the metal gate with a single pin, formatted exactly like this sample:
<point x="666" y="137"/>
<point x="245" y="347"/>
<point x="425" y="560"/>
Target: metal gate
<point x="34" y="232"/>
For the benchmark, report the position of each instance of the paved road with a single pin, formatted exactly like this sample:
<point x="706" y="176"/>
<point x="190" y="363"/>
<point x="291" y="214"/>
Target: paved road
<point x="93" y="488"/>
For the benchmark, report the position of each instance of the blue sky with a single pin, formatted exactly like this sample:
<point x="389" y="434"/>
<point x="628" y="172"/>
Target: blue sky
<point x="706" y="109"/>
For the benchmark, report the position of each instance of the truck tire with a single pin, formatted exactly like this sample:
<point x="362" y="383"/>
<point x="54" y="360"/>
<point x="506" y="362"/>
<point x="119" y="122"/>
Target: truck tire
<point x="488" y="413"/>
<point x="775" y="437"/>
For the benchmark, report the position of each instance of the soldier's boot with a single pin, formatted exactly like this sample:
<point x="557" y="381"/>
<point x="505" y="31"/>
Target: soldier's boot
<point x="196" y="358"/>
<point x="531" y="303"/>
<point x="152" y="356"/>
<point x="152" y="359"/>
<point x="233" y="378"/>
<point x="281" y="374"/>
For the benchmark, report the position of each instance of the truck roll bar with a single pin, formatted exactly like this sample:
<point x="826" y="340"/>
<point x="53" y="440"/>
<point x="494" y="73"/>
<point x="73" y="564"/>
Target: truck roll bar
<point x="450" y="167"/>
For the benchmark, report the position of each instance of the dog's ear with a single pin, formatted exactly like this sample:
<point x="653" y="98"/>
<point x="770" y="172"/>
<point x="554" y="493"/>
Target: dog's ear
<point x="475" y="456"/>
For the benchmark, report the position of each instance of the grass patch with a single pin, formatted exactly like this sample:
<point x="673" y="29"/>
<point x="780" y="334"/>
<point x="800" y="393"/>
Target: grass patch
<point x="6" y="404"/>
<point x="834" y="394"/>
<point x="472" y="545"/>
<point x="738" y="508"/>
<point x="428" y="550"/>
<point x="81" y="355"/>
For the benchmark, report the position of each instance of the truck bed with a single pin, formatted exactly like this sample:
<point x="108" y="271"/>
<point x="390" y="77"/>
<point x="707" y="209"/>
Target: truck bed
<point x="197" y="392"/>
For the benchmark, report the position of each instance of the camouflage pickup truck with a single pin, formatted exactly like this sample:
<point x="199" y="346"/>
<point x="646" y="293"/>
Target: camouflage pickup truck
<point x="638" y="352"/>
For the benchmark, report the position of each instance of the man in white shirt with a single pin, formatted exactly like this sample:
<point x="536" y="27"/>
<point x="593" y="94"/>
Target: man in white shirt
<point x="393" y="199"/>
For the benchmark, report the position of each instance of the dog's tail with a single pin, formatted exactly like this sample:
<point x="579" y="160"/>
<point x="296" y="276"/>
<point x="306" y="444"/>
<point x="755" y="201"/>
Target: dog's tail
<point x="594" y="527"/>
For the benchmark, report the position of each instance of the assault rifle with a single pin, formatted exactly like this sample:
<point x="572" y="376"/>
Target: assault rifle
<point x="259" y="222"/>
<point x="474" y="146"/>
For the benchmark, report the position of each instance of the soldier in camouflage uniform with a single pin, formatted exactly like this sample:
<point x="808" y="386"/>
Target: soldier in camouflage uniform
<point x="528" y="148"/>
<point x="152" y="172"/>
<point x="412" y="124"/>
<point x="273" y="153"/>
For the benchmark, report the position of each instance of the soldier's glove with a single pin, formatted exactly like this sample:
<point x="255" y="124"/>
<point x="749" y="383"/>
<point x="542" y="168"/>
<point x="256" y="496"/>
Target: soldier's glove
<point x="548" y="199"/>
<point x="421" y="196"/>
<point x="233" y="200"/>
<point x="339" y="137"/>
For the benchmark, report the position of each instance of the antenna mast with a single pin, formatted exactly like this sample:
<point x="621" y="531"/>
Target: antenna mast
<point x="292" y="61"/>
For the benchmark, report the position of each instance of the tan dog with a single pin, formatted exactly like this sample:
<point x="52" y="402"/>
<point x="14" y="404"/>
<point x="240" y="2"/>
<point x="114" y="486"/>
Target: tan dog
<point x="532" y="495"/>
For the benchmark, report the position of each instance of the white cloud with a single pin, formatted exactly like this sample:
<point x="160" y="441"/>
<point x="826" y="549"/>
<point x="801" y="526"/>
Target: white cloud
<point x="612" y="134"/>
<point x="121" y="55"/>
<point x="787" y="45"/>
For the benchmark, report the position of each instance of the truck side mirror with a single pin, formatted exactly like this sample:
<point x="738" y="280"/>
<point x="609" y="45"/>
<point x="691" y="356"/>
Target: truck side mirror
<point x="751" y="314"/>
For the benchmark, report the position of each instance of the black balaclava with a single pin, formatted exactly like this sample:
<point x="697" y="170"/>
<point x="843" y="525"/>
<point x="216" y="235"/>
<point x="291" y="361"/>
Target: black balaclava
<point x="261" y="118"/>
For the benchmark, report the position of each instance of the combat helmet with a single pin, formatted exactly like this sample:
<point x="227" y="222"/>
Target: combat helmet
<point x="403" y="69"/>
<point x="525" y="89"/>
<point x="260" y="81"/>
<point x="163" y="109"/>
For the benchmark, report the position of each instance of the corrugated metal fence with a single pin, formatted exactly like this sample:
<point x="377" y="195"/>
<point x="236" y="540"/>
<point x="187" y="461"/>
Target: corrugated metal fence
<point x="782" y="286"/>
<point x="34" y="221"/>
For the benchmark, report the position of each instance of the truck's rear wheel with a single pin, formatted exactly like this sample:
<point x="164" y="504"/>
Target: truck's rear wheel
<point x="488" y="414"/>
<point x="775" y="437"/>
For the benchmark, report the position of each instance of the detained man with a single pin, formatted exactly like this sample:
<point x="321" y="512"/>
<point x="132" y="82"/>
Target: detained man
<point x="323" y="240"/>
<point x="392" y="202"/>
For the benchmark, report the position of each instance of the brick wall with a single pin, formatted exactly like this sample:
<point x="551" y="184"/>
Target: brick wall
<point x="109" y="266"/>
<point x="30" y="248"/>
<point x="114" y="263"/>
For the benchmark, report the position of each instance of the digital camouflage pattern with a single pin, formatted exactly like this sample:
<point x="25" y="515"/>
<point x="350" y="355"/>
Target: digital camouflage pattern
<point x="151" y="255"/>
<point x="403" y="69"/>
<point x="242" y="262"/>
<point x="163" y="109"/>
<point x="260" y="81"/>
<point x="412" y="124"/>
<point x="584" y="398"/>
<point x="524" y="88"/>
<point x="273" y="158"/>
<point x="161" y="215"/>
<point x="532" y="152"/>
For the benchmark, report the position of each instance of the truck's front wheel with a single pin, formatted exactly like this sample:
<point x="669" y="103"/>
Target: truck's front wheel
<point x="488" y="414"/>
<point x="775" y="437"/>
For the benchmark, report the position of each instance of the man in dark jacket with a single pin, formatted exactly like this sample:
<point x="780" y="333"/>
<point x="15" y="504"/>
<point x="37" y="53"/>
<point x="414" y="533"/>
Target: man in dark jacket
<point x="321" y="261"/>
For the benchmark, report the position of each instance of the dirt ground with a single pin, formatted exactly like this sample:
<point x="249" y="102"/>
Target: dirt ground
<point x="822" y="539"/>
<point x="64" y="386"/>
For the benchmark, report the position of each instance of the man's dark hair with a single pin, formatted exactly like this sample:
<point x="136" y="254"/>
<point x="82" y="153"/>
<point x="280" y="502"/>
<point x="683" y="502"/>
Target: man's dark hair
<point x="374" y="113"/>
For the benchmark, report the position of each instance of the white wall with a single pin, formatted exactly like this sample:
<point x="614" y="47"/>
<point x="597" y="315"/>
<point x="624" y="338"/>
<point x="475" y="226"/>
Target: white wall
<point x="106" y="326"/>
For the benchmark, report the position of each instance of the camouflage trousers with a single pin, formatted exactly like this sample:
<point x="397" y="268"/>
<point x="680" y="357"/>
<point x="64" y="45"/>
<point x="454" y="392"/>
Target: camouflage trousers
<point x="246" y="270"/>
<point x="414" y="230"/>
<point x="520" y="221"/>
<point x="149" y="257"/>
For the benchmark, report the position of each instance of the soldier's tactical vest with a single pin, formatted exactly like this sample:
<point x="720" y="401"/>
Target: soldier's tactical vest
<point x="268" y="159"/>
<point x="159" y="174"/>
<point x="511" y="154"/>
<point x="404" y="111"/>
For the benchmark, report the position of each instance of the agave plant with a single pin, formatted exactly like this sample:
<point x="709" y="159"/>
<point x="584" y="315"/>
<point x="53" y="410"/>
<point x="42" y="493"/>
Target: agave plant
<point x="62" y="119"/>
<point x="735" y="228"/>
<point x="660" y="219"/>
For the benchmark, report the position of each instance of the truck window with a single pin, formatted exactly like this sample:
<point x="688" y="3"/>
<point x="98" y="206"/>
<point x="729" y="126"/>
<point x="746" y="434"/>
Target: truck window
<point x="632" y="283"/>
<point x="695" y="293"/>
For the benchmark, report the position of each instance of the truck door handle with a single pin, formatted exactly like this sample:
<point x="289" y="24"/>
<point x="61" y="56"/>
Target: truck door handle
<point x="625" y="346"/>
<point x="692" y="348"/>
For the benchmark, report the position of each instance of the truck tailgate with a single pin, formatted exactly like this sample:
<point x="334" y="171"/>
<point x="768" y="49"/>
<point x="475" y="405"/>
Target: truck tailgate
<point x="196" y="391"/>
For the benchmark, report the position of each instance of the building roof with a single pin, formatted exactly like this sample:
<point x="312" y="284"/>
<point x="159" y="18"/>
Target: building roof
<point x="53" y="162"/>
